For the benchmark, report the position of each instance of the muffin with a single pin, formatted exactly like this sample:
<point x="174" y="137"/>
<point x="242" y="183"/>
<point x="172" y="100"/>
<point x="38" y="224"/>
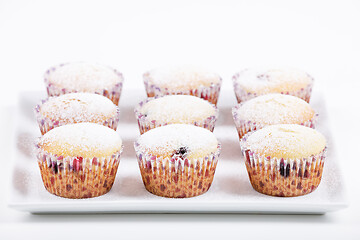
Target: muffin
<point x="271" y="109"/>
<point x="79" y="160"/>
<point x="84" y="77"/>
<point x="76" y="108"/>
<point x="183" y="80"/>
<point x="182" y="109"/>
<point x="284" y="160"/>
<point x="177" y="160"/>
<point x="255" y="82"/>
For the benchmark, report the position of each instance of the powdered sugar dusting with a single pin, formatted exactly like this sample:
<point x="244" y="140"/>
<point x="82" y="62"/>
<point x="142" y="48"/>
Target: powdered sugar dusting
<point x="82" y="76"/>
<point x="273" y="80"/>
<point x="81" y="139"/>
<point x="286" y="141"/>
<point x="275" y="109"/>
<point x="79" y="107"/>
<point x="168" y="139"/>
<point x="182" y="77"/>
<point x="178" y="109"/>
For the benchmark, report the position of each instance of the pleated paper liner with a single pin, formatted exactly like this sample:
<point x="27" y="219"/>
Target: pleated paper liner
<point x="77" y="177"/>
<point x="176" y="177"/>
<point x="283" y="177"/>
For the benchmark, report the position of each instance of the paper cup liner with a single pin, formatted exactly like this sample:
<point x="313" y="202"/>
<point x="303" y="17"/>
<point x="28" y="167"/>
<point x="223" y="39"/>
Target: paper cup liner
<point x="210" y="93"/>
<point x="245" y="126"/>
<point x="283" y="177"/>
<point x="242" y="95"/>
<point x="176" y="177"/>
<point x="46" y="124"/>
<point x="77" y="177"/>
<point x="113" y="93"/>
<point x="146" y="124"/>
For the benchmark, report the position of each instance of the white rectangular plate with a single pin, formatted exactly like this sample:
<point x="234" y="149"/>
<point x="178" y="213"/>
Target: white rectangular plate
<point x="230" y="192"/>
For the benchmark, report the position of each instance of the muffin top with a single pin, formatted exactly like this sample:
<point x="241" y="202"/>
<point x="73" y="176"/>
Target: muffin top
<point x="79" y="107"/>
<point x="286" y="141"/>
<point x="177" y="109"/>
<point x="81" y="140"/>
<point x="273" y="80"/>
<point x="274" y="108"/>
<point x="182" y="78"/>
<point x="83" y="77"/>
<point x="183" y="140"/>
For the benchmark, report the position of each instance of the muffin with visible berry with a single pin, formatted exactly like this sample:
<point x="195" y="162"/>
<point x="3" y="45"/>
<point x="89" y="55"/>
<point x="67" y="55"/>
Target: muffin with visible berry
<point x="76" y="108"/>
<point x="79" y="160"/>
<point x="183" y="80"/>
<point x="271" y="109"/>
<point x="284" y="160"/>
<point x="251" y="83"/>
<point x="177" y="160"/>
<point x="172" y="109"/>
<point x="84" y="77"/>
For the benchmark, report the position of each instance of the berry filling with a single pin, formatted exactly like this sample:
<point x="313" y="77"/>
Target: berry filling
<point x="180" y="153"/>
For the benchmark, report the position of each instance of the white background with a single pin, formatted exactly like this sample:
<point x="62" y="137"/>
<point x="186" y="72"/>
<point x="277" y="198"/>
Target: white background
<point x="321" y="37"/>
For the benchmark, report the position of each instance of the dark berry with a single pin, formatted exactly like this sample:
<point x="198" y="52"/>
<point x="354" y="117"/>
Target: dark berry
<point x="287" y="173"/>
<point x="282" y="170"/>
<point x="247" y="156"/>
<point x="306" y="174"/>
<point x="55" y="168"/>
<point x="294" y="166"/>
<point x="61" y="166"/>
<point x="148" y="165"/>
<point x="181" y="152"/>
<point x="300" y="173"/>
